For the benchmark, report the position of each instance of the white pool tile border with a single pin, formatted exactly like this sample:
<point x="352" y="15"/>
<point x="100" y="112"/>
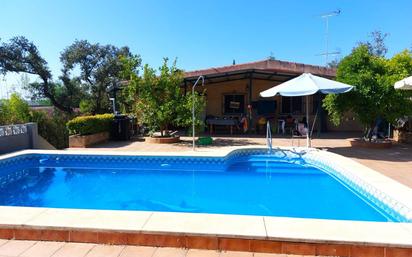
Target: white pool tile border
<point x="236" y="226"/>
<point x="386" y="190"/>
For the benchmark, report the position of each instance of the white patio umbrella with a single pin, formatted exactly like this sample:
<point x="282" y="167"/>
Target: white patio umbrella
<point x="305" y="85"/>
<point x="405" y="84"/>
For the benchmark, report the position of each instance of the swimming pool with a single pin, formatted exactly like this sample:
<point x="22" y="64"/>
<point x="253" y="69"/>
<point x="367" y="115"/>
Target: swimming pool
<point x="248" y="182"/>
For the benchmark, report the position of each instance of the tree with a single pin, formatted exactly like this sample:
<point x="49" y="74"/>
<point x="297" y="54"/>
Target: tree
<point x="184" y="118"/>
<point x="333" y="64"/>
<point x="374" y="96"/>
<point x="159" y="100"/>
<point x="14" y="110"/>
<point x="22" y="56"/>
<point x="130" y="73"/>
<point x="100" y="67"/>
<point x="377" y="46"/>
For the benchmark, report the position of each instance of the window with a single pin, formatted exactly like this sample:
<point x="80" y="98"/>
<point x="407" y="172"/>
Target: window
<point x="292" y="104"/>
<point x="266" y="107"/>
<point x="286" y="104"/>
<point x="234" y="104"/>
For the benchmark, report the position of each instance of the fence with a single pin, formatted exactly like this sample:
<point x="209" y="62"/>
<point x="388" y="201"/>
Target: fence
<point x="18" y="137"/>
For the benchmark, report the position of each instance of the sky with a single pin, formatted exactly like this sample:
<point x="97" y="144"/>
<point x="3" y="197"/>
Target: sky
<point x="208" y="33"/>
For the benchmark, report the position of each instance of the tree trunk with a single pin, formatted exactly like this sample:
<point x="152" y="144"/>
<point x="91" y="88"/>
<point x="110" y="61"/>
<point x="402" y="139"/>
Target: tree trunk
<point x="166" y="130"/>
<point x="370" y="131"/>
<point x="46" y="93"/>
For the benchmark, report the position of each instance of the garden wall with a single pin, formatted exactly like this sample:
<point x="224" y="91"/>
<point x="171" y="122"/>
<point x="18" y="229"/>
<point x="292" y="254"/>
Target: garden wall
<point x="18" y="137"/>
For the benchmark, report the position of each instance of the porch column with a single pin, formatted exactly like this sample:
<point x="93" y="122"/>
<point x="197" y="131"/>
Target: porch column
<point x="250" y="100"/>
<point x="308" y="143"/>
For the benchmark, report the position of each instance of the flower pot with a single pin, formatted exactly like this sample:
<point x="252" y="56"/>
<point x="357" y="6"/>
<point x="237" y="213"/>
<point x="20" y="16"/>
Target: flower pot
<point x="402" y="136"/>
<point x="162" y="140"/>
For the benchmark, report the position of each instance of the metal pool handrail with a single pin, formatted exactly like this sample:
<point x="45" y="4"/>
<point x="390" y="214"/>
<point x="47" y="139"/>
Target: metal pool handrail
<point x="268" y="137"/>
<point x="193" y="108"/>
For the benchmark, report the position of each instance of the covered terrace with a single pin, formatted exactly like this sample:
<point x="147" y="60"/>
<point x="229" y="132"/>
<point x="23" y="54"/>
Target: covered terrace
<point x="233" y="91"/>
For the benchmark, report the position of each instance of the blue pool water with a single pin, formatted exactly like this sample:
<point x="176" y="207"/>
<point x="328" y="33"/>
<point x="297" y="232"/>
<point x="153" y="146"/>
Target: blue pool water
<point x="256" y="184"/>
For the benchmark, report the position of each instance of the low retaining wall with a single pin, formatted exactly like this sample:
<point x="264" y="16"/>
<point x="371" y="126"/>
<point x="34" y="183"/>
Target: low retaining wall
<point x="88" y="140"/>
<point x="18" y="137"/>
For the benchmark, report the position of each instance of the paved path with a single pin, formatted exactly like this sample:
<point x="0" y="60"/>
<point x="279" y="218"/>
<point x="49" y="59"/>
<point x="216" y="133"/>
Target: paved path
<point x="14" y="248"/>
<point x="395" y="162"/>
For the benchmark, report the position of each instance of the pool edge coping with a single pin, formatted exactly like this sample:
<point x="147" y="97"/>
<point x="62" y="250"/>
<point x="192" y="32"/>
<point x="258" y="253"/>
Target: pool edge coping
<point x="293" y="232"/>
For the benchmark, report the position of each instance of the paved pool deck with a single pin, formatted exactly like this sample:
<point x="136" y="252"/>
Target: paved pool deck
<point x="27" y="248"/>
<point x="395" y="162"/>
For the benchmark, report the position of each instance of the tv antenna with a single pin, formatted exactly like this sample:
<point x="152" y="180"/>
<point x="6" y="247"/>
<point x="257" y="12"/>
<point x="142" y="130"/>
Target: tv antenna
<point x="326" y="16"/>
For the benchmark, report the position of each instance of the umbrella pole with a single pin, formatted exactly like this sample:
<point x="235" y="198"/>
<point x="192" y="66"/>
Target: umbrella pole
<point x="307" y="123"/>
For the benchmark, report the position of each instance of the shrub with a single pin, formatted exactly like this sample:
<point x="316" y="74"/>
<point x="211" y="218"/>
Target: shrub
<point x="87" y="125"/>
<point x="52" y="128"/>
<point x="14" y="110"/>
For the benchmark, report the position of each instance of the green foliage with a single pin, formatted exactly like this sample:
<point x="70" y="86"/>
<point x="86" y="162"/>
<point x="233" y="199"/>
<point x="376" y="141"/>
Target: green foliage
<point x="52" y="128"/>
<point x="374" y="96"/>
<point x="14" y="110"/>
<point x="22" y="56"/>
<point x="159" y="96"/>
<point x="159" y="101"/>
<point x="85" y="106"/>
<point x="87" y="125"/>
<point x="100" y="68"/>
<point x="377" y="45"/>
<point x="130" y="73"/>
<point x="184" y="119"/>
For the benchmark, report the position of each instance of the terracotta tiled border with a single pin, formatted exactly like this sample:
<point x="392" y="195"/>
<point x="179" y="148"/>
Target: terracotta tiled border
<point x="206" y="242"/>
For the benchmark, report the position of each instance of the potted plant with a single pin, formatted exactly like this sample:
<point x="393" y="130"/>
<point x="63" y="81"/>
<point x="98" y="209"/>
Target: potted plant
<point x="159" y="102"/>
<point x="402" y="132"/>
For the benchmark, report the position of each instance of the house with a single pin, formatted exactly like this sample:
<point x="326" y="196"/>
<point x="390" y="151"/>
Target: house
<point x="232" y="91"/>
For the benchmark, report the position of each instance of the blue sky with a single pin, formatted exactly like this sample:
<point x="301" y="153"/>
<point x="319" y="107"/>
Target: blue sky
<point x="208" y="33"/>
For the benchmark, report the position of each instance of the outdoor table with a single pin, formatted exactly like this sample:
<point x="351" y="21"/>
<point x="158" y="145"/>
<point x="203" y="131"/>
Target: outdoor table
<point x="221" y="122"/>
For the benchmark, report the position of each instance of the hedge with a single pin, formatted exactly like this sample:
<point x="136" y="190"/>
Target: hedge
<point x="87" y="125"/>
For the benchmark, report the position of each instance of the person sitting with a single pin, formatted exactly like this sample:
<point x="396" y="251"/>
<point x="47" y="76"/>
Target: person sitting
<point x="302" y="127"/>
<point x="244" y="124"/>
<point x="290" y="119"/>
<point x="261" y="123"/>
<point x="290" y="123"/>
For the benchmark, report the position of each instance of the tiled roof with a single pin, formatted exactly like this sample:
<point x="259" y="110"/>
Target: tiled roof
<point x="268" y="65"/>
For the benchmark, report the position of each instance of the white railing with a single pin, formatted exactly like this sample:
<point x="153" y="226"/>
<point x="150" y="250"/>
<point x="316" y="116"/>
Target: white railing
<point x="10" y="130"/>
